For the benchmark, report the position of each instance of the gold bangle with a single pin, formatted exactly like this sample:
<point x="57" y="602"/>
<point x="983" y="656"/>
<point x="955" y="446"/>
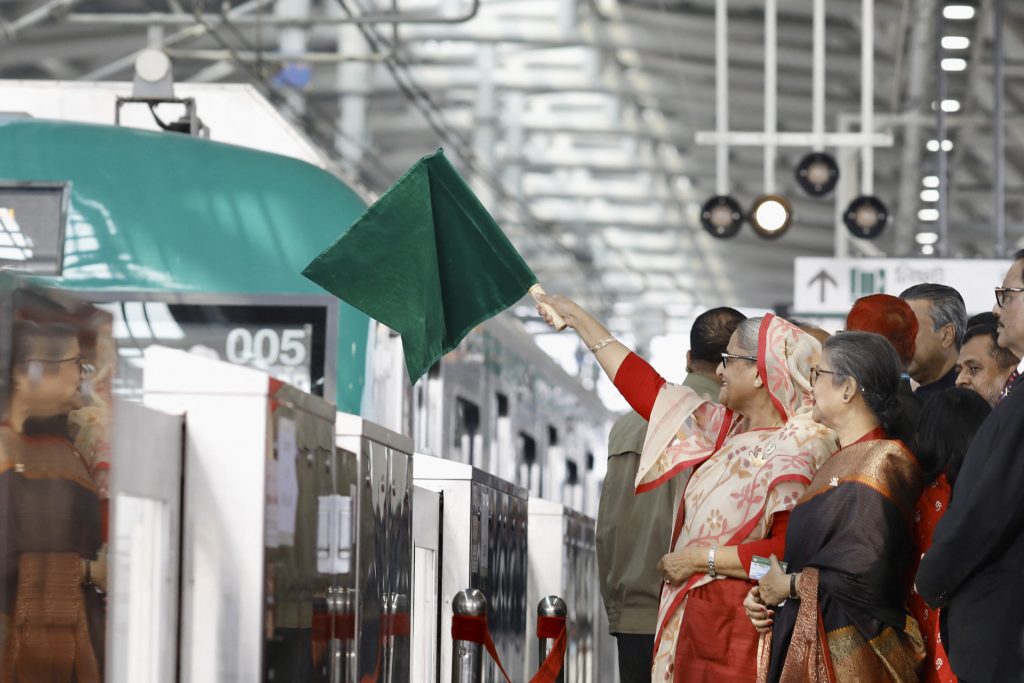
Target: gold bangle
<point x="601" y="344"/>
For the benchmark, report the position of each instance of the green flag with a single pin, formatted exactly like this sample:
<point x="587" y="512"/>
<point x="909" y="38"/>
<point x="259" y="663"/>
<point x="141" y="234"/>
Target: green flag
<point x="427" y="260"/>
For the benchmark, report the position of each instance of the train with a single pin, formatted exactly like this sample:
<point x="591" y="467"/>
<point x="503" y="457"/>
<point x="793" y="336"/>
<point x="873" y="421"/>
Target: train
<point x="193" y="248"/>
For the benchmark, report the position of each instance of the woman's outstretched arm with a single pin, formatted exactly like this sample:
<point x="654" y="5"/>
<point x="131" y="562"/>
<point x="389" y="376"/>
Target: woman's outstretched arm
<point x="608" y="351"/>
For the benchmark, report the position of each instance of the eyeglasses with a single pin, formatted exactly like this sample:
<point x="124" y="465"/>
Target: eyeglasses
<point x="816" y="372"/>
<point x="84" y="366"/>
<point x="727" y="356"/>
<point x="1001" y="294"/>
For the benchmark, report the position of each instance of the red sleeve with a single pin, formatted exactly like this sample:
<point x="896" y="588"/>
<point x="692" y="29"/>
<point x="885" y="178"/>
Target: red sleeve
<point x="775" y="544"/>
<point x="639" y="384"/>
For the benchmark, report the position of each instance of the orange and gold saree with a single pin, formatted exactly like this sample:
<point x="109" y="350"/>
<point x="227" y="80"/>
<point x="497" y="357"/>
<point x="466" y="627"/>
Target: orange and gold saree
<point x="850" y="537"/>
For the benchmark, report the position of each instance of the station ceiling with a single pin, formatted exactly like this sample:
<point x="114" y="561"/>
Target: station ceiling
<point x="575" y="120"/>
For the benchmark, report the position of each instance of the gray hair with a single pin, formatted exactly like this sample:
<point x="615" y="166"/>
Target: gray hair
<point x="947" y="307"/>
<point x="873" y="363"/>
<point x="747" y="333"/>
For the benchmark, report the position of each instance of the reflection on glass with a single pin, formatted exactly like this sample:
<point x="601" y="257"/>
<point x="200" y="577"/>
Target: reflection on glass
<point x="286" y="341"/>
<point x="54" y="469"/>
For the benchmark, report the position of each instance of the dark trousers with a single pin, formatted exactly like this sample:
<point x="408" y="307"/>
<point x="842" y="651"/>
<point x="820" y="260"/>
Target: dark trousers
<point x="636" y="655"/>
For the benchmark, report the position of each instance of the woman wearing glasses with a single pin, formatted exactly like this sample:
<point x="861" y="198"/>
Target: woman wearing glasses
<point x="849" y="545"/>
<point x="753" y="455"/>
<point x="51" y="611"/>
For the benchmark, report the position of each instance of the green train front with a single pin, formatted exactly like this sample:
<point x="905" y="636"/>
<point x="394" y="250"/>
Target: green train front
<point x="197" y="245"/>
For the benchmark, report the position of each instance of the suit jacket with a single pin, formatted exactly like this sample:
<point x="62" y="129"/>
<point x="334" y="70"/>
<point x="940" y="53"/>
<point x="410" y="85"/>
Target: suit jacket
<point x="975" y="567"/>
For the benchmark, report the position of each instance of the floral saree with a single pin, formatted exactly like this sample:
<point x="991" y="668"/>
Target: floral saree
<point x="742" y="478"/>
<point x="850" y="536"/>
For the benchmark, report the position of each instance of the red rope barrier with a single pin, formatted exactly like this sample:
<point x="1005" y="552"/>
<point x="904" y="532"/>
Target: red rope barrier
<point x="474" y="630"/>
<point x="551" y="627"/>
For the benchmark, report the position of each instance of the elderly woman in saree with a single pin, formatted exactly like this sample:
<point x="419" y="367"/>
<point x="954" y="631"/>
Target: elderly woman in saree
<point x="752" y="455"/>
<point x="849" y="546"/>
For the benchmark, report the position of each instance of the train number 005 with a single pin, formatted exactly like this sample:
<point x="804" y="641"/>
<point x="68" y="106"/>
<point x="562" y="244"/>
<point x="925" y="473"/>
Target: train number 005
<point x="266" y="347"/>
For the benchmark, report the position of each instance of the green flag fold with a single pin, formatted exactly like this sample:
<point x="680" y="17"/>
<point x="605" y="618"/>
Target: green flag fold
<point x="427" y="260"/>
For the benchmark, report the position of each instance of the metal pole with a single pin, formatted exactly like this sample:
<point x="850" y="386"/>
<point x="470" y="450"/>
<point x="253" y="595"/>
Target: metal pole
<point x="388" y="605"/>
<point x="722" y="95"/>
<point x="770" y="91"/>
<point x="341" y="607"/>
<point x="9" y="29"/>
<point x="818" y="77"/>
<point x="165" y="19"/>
<point x="867" y="96"/>
<point x="914" y="93"/>
<point x="999" y="122"/>
<point x="194" y="31"/>
<point x="467" y="657"/>
<point x="940" y="134"/>
<point x="397" y="654"/>
<point x="551" y="606"/>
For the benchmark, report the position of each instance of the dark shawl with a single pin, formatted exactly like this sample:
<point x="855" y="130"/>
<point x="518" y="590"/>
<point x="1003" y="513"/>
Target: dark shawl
<point x="49" y="521"/>
<point x="850" y="535"/>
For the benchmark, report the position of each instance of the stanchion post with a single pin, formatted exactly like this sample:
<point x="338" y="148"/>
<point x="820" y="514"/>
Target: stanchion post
<point x="388" y="605"/>
<point x="341" y="608"/>
<point x="398" y="650"/>
<point x="551" y="606"/>
<point x="467" y="656"/>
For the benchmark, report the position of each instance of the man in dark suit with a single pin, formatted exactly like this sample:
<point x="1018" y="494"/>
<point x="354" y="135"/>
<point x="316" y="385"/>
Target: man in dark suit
<point x="975" y="567"/>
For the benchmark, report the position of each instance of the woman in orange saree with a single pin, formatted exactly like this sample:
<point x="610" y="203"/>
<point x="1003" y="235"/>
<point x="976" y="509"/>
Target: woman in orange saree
<point x="848" y="545"/>
<point x="750" y="468"/>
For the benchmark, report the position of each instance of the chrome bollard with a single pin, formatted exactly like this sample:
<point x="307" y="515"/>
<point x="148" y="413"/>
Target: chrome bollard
<point x="387" y="640"/>
<point x="341" y="606"/>
<point x="551" y="606"/>
<point x="396" y="664"/>
<point x="468" y="657"/>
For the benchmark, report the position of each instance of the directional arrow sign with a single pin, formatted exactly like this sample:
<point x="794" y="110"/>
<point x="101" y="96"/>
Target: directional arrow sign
<point x="824" y="278"/>
<point x="829" y="286"/>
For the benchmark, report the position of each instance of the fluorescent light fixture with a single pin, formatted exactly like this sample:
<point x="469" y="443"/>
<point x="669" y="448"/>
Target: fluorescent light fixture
<point x="926" y="237"/>
<point x="628" y="56"/>
<point x="927" y="250"/>
<point x="928" y="215"/>
<point x="954" y="64"/>
<point x="930" y="181"/>
<point x="950" y="106"/>
<point x="958" y="12"/>
<point x="934" y="145"/>
<point x="955" y="42"/>
<point x="929" y="195"/>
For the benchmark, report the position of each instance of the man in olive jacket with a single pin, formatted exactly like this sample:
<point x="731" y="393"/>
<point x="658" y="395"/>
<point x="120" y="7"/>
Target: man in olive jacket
<point x="634" y="531"/>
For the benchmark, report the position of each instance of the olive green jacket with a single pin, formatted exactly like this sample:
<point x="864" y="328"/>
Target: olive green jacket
<point x="634" y="531"/>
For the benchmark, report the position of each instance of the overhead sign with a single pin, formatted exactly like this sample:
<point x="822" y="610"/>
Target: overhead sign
<point x="829" y="286"/>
